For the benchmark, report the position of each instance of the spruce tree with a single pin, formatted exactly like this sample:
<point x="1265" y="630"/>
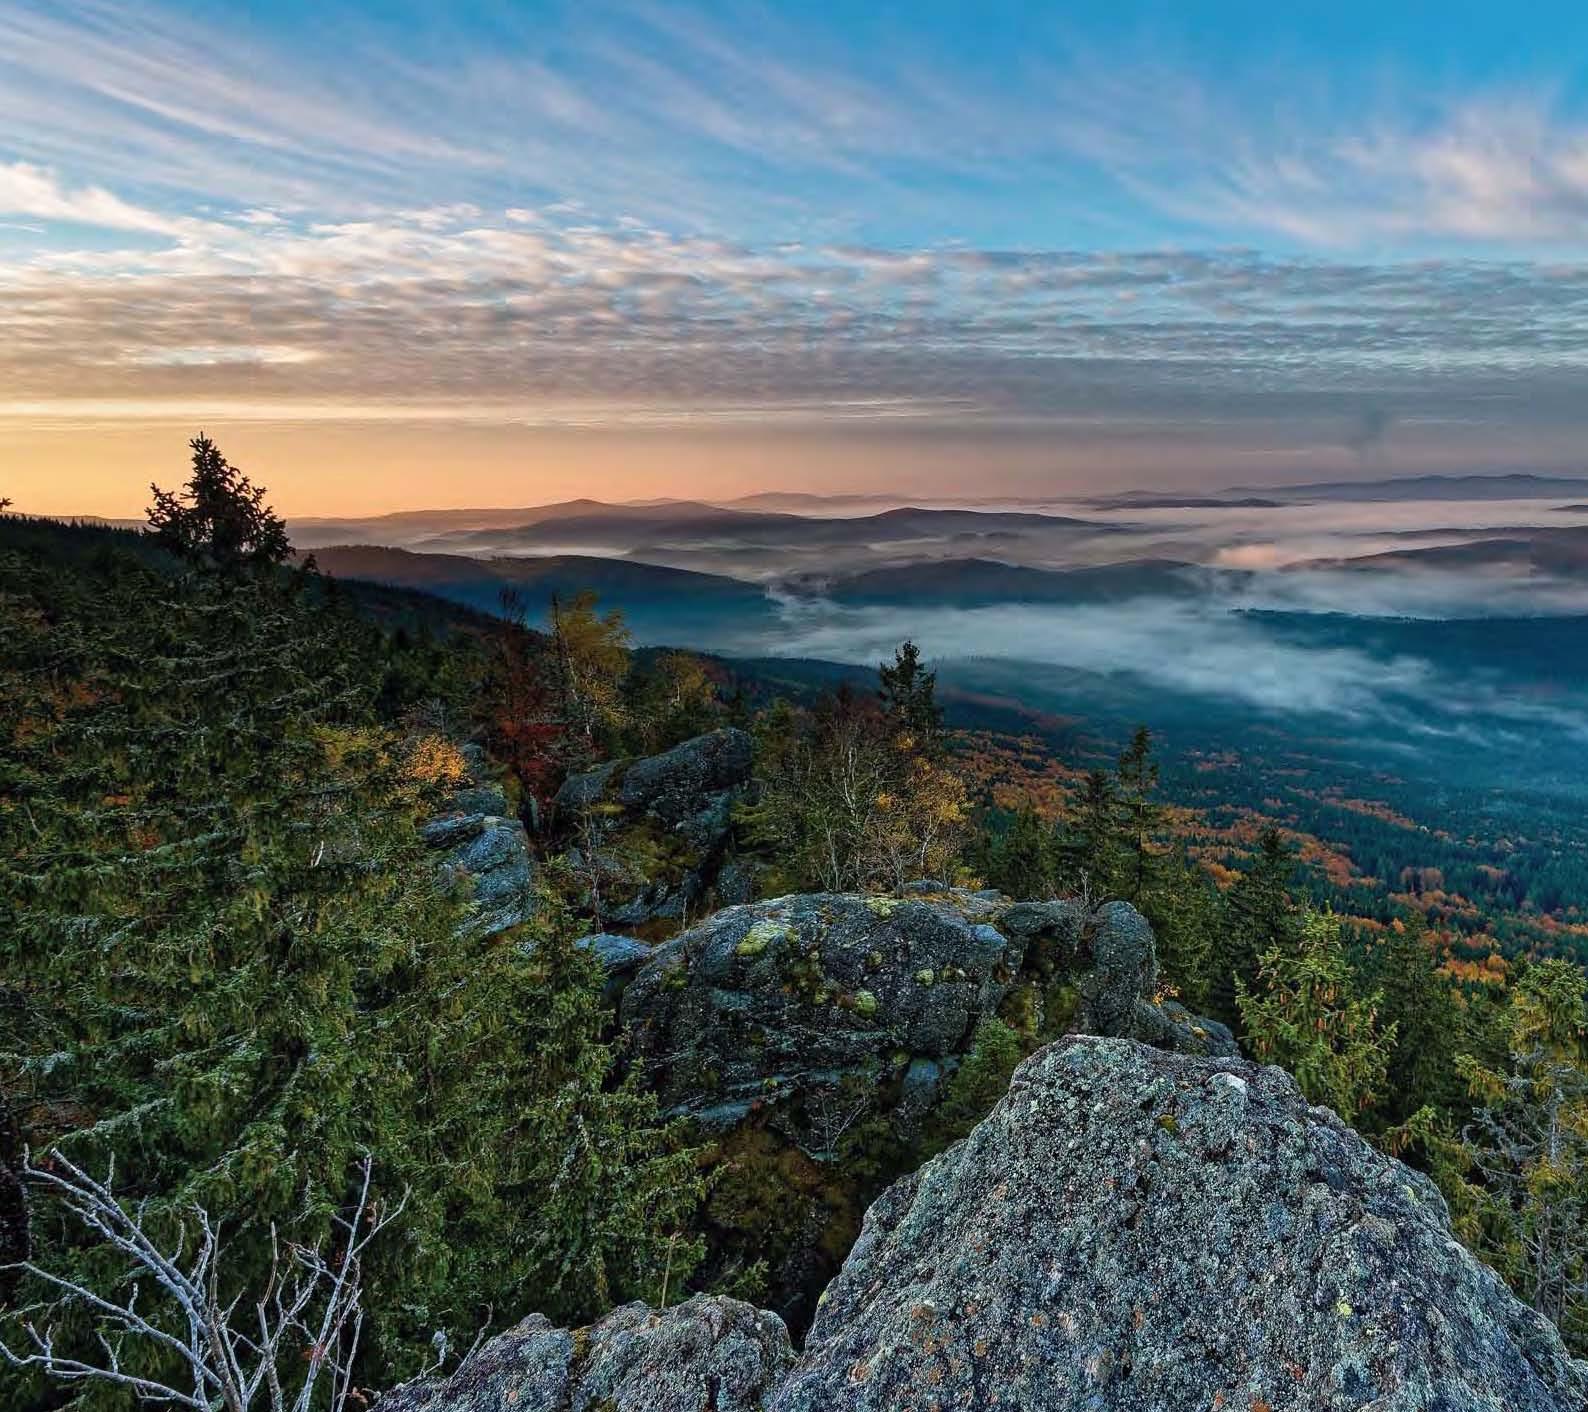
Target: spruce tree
<point x="1421" y="1003"/>
<point x="1140" y="815"/>
<point x="1021" y="861"/>
<point x="1528" y="1148"/>
<point x="908" y="695"/>
<point x="1259" y="917"/>
<point x="220" y="518"/>
<point x="1305" y="1014"/>
<point x="1089" y="850"/>
<point x="228" y="963"/>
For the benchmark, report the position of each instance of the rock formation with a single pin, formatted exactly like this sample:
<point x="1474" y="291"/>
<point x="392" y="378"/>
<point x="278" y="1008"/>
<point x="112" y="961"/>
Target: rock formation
<point x="483" y="846"/>
<point x="781" y="1003"/>
<point x="706" y="1355"/>
<point x="653" y="834"/>
<point x="773" y="1004"/>
<point x="1129" y="1230"/>
<point x="1146" y="1232"/>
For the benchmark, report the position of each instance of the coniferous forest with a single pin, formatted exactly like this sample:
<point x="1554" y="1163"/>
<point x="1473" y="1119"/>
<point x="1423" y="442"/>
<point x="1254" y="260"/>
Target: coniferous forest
<point x="340" y="997"/>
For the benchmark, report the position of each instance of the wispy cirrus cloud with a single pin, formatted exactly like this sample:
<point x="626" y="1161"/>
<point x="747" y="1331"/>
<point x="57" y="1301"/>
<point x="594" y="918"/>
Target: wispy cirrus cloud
<point x="750" y="119"/>
<point x="27" y="190"/>
<point x="671" y="215"/>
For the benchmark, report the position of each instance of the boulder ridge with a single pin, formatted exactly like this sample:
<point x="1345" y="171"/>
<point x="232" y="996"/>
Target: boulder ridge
<point x="1130" y="1230"/>
<point x="1147" y="1232"/>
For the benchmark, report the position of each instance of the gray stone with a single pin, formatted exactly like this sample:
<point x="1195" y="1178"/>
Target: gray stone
<point x="1113" y="958"/>
<point x="676" y="806"/>
<point x="689" y="781"/>
<point x="1137" y="1231"/>
<point x="709" y="1354"/>
<point x="620" y="957"/>
<point x="485" y="851"/>
<point x="738" y="881"/>
<point x="583" y="790"/>
<point x="771" y="1003"/>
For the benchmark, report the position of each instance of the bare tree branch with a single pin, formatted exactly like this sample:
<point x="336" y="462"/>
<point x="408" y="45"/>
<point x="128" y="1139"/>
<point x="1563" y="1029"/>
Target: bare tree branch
<point x="309" y="1314"/>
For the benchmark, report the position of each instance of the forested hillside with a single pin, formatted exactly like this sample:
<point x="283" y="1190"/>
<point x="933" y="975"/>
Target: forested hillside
<point x="460" y="971"/>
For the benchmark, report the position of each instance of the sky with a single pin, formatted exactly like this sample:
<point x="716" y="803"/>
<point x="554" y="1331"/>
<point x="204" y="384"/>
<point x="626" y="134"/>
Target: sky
<point x="394" y="255"/>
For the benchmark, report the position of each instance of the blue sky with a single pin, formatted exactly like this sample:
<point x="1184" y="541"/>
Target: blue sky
<point x="1160" y="242"/>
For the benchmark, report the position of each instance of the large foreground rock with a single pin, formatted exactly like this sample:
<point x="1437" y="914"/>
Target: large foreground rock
<point x="1142" y="1232"/>
<point x="707" y="1355"/>
<point x="1128" y="1231"/>
<point x="480" y="844"/>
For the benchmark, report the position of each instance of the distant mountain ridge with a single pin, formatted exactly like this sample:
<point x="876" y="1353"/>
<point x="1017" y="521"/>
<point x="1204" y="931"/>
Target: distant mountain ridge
<point x="660" y="604"/>
<point x="711" y="526"/>
<point x="1511" y="485"/>
<point x="968" y="583"/>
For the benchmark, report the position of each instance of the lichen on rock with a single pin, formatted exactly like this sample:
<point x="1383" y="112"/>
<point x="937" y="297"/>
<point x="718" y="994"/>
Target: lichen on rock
<point x="1148" y="1232"/>
<point x="708" y="1354"/>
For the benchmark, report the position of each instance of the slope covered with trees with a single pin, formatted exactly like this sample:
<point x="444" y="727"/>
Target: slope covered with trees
<point x="232" y="974"/>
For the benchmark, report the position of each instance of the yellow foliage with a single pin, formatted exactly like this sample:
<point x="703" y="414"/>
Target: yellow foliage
<point x="433" y="762"/>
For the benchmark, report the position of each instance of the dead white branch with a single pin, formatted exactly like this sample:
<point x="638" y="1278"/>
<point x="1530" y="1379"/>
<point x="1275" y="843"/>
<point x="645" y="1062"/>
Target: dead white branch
<point x="303" y="1332"/>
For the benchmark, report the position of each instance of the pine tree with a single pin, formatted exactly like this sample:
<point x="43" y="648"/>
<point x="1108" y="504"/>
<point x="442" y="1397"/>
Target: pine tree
<point x="1421" y="1004"/>
<point x="229" y="963"/>
<point x="1140" y="815"/>
<point x="1183" y="910"/>
<point x="1089" y="852"/>
<point x="908" y="694"/>
<point x="1305" y="1015"/>
<point x="1528" y="1146"/>
<point x="1021" y="860"/>
<point x="220" y="519"/>
<point x="1259" y="916"/>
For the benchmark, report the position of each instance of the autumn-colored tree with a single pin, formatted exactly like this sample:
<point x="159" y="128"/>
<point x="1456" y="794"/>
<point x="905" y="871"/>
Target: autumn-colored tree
<point x="591" y="650"/>
<point x="850" y="800"/>
<point x="519" y="701"/>
<point x="671" y="698"/>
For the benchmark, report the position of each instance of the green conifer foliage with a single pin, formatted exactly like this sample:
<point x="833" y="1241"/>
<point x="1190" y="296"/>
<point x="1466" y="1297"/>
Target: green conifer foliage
<point x="1528" y="1149"/>
<point x="1305" y="1014"/>
<point x="228" y="963"/>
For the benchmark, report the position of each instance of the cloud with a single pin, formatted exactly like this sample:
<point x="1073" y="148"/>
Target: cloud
<point x="27" y="190"/>
<point x="650" y="207"/>
<point x="464" y="303"/>
<point x="722" y="118"/>
<point x="1485" y="171"/>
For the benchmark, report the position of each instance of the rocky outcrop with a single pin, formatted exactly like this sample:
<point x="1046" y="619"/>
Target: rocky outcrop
<point x="780" y="1003"/>
<point x="1147" y="1232"/>
<point x="1106" y="964"/>
<point x="620" y="957"/>
<point x="482" y="845"/>
<point x="707" y="1355"/>
<point x="1128" y="1231"/>
<point x="652" y="835"/>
